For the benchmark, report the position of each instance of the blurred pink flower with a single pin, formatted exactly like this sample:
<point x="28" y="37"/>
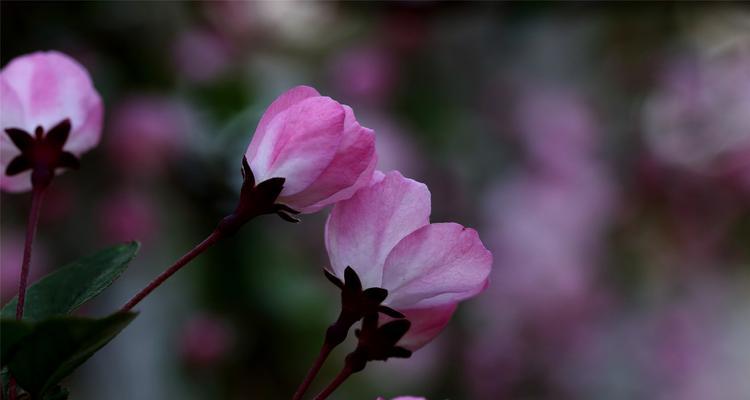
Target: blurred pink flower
<point x="316" y="145"/>
<point x="364" y="74"/>
<point x="128" y="216"/>
<point x="546" y="229"/>
<point x="201" y="55"/>
<point x="699" y="115"/>
<point x="557" y="129"/>
<point x="545" y="224"/>
<point x="43" y="89"/>
<point x="11" y="253"/>
<point x="690" y="348"/>
<point x="146" y="132"/>
<point x="383" y="232"/>
<point x="206" y="341"/>
<point x="547" y="220"/>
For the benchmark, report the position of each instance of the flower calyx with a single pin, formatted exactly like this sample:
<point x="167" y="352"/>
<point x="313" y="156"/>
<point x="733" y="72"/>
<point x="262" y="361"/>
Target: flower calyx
<point x="378" y="342"/>
<point x="256" y="200"/>
<point x="41" y="153"/>
<point x="356" y="303"/>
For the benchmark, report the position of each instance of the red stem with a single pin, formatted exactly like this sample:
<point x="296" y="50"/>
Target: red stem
<point x="195" y="252"/>
<point x="337" y="381"/>
<point x="37" y="195"/>
<point x="12" y="388"/>
<point x="313" y="372"/>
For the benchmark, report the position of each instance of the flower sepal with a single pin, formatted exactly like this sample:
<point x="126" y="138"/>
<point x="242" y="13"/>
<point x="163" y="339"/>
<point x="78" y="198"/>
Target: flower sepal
<point x="378" y="342"/>
<point x="41" y="153"/>
<point x="355" y="304"/>
<point x="256" y="200"/>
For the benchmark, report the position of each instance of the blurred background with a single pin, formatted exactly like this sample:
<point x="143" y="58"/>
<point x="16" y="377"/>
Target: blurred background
<point x="602" y="152"/>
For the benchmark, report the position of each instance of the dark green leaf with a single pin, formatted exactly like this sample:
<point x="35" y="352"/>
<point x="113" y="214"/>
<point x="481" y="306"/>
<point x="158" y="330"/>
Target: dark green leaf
<point x="11" y="333"/>
<point x="57" y="346"/>
<point x="74" y="284"/>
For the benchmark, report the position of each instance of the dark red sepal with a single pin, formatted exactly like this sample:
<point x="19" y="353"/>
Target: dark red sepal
<point x="256" y="199"/>
<point x="378" y="342"/>
<point x="355" y="304"/>
<point x="41" y="153"/>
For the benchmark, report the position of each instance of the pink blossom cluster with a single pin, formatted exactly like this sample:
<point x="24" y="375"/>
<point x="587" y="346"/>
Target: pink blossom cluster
<point x="308" y="152"/>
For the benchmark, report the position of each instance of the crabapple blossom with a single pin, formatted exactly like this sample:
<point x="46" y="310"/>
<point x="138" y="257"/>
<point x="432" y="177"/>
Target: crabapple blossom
<point x="51" y="114"/>
<point x="316" y="145"/>
<point x="384" y="235"/>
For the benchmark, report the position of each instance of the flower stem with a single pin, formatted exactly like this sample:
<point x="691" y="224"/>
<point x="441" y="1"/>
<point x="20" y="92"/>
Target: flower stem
<point x="36" y="205"/>
<point x="325" y="350"/>
<point x="184" y="260"/>
<point x="12" y="388"/>
<point x="337" y="381"/>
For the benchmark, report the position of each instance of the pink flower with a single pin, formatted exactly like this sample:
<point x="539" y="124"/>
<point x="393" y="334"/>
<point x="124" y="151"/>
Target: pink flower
<point x="316" y="145"/>
<point x="557" y="129"/>
<point x="39" y="92"/>
<point x="384" y="234"/>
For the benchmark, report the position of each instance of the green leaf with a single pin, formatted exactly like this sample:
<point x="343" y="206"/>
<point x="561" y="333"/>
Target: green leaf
<point x="69" y="287"/>
<point x="57" y="346"/>
<point x="11" y="333"/>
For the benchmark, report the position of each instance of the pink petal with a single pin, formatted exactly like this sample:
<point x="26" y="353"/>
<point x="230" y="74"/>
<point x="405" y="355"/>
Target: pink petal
<point x="299" y="143"/>
<point x="426" y="324"/>
<point x="51" y="87"/>
<point x="362" y="230"/>
<point x="11" y="116"/>
<point x="283" y="102"/>
<point x="437" y="264"/>
<point x="351" y="169"/>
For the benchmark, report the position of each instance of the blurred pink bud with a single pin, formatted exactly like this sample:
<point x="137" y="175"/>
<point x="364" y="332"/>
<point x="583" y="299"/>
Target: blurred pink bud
<point x="11" y="253"/>
<point x="384" y="233"/>
<point x="366" y="74"/>
<point x="206" y="341"/>
<point x="43" y="89"/>
<point x="128" y="216"/>
<point x="146" y="132"/>
<point x="316" y="145"/>
<point x="201" y="55"/>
